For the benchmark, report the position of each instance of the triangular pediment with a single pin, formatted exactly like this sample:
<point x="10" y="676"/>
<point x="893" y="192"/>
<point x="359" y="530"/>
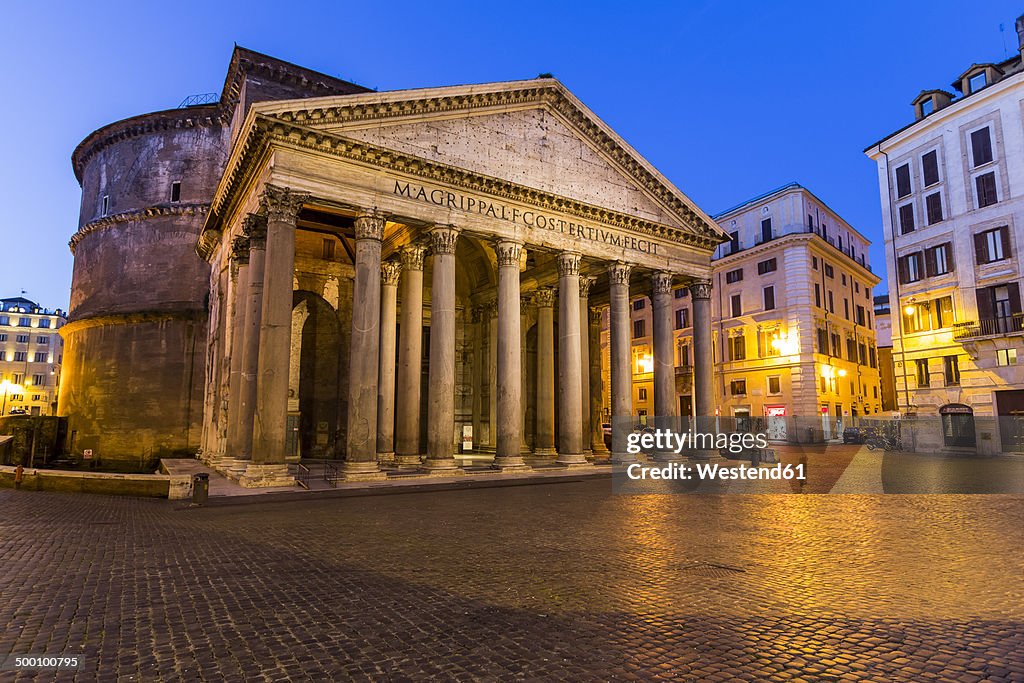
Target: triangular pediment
<point x="532" y="133"/>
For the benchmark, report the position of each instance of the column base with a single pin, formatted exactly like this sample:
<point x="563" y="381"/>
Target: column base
<point x="233" y="468"/>
<point x="386" y="457"/>
<point x="668" y="456"/>
<point x="545" y="453"/>
<point x="362" y="471"/>
<point x="263" y="476"/>
<point x="623" y="459"/>
<point x="408" y="462"/>
<point x="572" y="460"/>
<point x="510" y="463"/>
<point x="442" y="467"/>
<point x="704" y="455"/>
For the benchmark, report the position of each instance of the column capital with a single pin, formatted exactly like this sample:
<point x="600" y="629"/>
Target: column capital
<point x="369" y="225"/>
<point x="596" y="315"/>
<point x="509" y="252"/>
<point x="568" y="263"/>
<point x="525" y="302"/>
<point x="240" y="250"/>
<point x="700" y="289"/>
<point x="254" y="227"/>
<point x="443" y="239"/>
<point x="618" y="273"/>
<point x="390" y="271"/>
<point x="544" y="298"/>
<point x="477" y="313"/>
<point x="661" y="283"/>
<point x="282" y="203"/>
<point x="412" y="256"/>
<point x="585" y="284"/>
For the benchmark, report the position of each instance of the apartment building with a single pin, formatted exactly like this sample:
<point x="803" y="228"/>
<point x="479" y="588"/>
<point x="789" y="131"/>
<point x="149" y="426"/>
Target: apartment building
<point x="31" y="351"/>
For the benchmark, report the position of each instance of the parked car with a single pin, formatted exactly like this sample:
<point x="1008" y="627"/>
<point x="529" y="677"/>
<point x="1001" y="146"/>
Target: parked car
<point x="17" y="411"/>
<point x="858" y="434"/>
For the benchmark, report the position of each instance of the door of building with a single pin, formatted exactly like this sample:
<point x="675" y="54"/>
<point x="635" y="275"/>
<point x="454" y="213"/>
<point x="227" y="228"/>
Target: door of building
<point x="957" y="425"/>
<point x="1010" y="408"/>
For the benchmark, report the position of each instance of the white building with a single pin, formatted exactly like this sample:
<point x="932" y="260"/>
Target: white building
<point x="31" y="351"/>
<point x="952" y="191"/>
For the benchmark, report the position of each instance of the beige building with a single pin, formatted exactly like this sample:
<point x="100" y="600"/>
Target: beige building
<point x="31" y="352"/>
<point x="953" y="211"/>
<point x="792" y="312"/>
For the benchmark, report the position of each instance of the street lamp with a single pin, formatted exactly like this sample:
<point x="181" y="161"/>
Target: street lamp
<point x="8" y="387"/>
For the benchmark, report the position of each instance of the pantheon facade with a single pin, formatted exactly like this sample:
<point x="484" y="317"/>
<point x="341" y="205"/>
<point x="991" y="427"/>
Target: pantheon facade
<point x="390" y="278"/>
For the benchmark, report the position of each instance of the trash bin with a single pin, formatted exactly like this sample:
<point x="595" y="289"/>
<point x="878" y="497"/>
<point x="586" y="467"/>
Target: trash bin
<point x="200" y="488"/>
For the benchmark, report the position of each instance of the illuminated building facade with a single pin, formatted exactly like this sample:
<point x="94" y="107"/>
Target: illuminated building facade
<point x="953" y="213"/>
<point x="31" y="352"/>
<point x="792" y="320"/>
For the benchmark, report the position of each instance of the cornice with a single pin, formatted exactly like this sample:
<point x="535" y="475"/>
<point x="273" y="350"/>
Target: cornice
<point x="206" y="116"/>
<point x="266" y="131"/>
<point x="136" y="215"/>
<point x="131" y="318"/>
<point x="545" y="91"/>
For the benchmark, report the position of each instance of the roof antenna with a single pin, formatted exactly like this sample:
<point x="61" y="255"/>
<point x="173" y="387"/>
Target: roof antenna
<point x="1002" y="32"/>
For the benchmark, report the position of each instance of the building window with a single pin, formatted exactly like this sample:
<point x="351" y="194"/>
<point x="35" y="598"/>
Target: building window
<point x="769" y="298"/>
<point x="775" y="385"/>
<point x="851" y="349"/>
<point x="1006" y="357"/>
<point x="176" y="191"/>
<point x="817" y="295"/>
<point x="44" y="322"/>
<point x="17" y="378"/>
<point x="951" y="370"/>
<point x="638" y="329"/>
<point x="986" y="187"/>
<point x="977" y="82"/>
<point x="860" y="315"/>
<point x="42" y="340"/>
<point x="814" y="262"/>
<point x="21" y="339"/>
<point x="933" y="206"/>
<point x="24" y="322"/>
<point x="734" y="242"/>
<point x="873" y="357"/>
<point x="682" y="292"/>
<point x="930" y="166"/>
<point x="38" y="380"/>
<point x="992" y="245"/>
<point x="862" y="356"/>
<point x="831" y="303"/>
<point x="923" y="379"/>
<point x="734" y="275"/>
<point x="40" y="357"/>
<point x="5" y="320"/>
<point x="737" y="306"/>
<point x="829" y="271"/>
<point x="105" y="205"/>
<point x="903" y="181"/>
<point x="909" y="267"/>
<point x="766" y="230"/>
<point x="836" y="345"/>
<point x="3" y="337"/>
<point x="822" y="341"/>
<point x="641" y="394"/>
<point x="846" y="308"/>
<point x="906" y="218"/>
<point x="768" y="266"/>
<point x="737" y="348"/>
<point x="19" y="356"/>
<point x="328" y="249"/>
<point x="981" y="147"/>
<point x="682" y="318"/>
<point x="738" y="387"/>
<point x="928" y="315"/>
<point x="927" y="106"/>
<point x="639" y="304"/>
<point x="937" y="260"/>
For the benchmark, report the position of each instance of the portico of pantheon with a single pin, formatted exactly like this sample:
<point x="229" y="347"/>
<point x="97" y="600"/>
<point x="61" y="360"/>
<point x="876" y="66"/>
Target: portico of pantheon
<point x="390" y="268"/>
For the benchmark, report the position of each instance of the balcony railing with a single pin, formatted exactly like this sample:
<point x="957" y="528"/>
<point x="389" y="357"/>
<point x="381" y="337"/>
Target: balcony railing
<point x="989" y="327"/>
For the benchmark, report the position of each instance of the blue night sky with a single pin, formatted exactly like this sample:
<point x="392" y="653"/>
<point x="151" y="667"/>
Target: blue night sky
<point x="728" y="100"/>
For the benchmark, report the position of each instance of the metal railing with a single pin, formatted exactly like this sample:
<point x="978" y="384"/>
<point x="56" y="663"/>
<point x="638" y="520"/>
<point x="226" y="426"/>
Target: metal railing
<point x="989" y="327"/>
<point x="302" y="475"/>
<point x="331" y="474"/>
<point x="200" y="99"/>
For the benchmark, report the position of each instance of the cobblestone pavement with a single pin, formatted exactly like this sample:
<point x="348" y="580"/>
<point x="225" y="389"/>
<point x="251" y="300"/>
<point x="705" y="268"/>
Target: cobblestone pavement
<point x="546" y="582"/>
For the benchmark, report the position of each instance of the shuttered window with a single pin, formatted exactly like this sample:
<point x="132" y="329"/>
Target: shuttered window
<point x="992" y="245"/>
<point x="933" y="204"/>
<point x="930" y="166"/>
<point x="907" y="218"/>
<point x="909" y="268"/>
<point x="769" y="298"/>
<point x="903" y="181"/>
<point x="986" y="186"/>
<point x="981" y="146"/>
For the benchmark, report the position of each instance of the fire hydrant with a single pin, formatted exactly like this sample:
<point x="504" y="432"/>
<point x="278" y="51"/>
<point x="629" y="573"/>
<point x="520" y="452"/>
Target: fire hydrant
<point x="19" y="473"/>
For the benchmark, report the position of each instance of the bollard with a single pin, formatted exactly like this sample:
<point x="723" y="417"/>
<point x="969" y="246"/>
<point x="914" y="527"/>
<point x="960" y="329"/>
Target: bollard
<point x="200" y="488"/>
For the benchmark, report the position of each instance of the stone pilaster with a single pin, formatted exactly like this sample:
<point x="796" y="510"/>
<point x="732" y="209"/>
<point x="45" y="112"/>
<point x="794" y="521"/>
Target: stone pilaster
<point x="254" y="228"/>
<point x="621" y="361"/>
<point x="570" y="368"/>
<point x="544" y="431"/>
<point x="410" y="359"/>
<point x="596" y="386"/>
<point x="364" y="351"/>
<point x="240" y="265"/>
<point x="703" y="358"/>
<point x="390" y="273"/>
<point x="282" y="206"/>
<point x="510" y="389"/>
<point x="441" y="384"/>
